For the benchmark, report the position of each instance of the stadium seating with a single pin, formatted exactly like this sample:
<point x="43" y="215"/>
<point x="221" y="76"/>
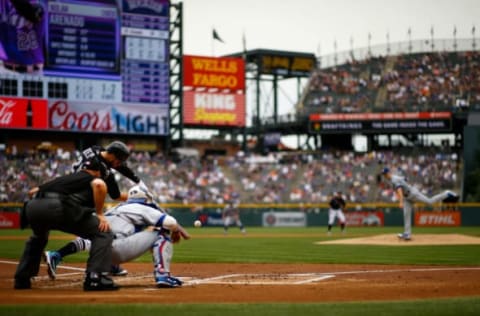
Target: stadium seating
<point x="416" y="82"/>
<point x="304" y="177"/>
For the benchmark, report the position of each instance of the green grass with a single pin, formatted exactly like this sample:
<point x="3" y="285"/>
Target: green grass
<point x="299" y="246"/>
<point x="279" y="245"/>
<point x="444" y="307"/>
<point x="292" y="245"/>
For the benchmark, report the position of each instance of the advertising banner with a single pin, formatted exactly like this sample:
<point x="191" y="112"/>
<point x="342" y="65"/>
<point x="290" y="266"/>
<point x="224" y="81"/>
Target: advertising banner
<point x="284" y="219"/>
<point x="214" y="91"/>
<point x="288" y="64"/>
<point x="210" y="219"/>
<point x="444" y="218"/>
<point x="9" y="220"/>
<point x="380" y="122"/>
<point x="365" y="218"/>
<point x="108" y="118"/>
<point x="206" y="108"/>
<point x="23" y="113"/>
<point x="211" y="72"/>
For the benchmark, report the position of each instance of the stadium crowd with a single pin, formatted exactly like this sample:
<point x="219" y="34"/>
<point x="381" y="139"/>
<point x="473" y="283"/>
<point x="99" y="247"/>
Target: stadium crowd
<point x="416" y="82"/>
<point x="278" y="178"/>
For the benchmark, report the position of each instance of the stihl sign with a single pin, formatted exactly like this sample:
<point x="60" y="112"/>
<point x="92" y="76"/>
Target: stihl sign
<point x="450" y="218"/>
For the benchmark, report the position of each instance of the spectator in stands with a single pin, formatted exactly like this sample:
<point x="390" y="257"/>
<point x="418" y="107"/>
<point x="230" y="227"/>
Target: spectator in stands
<point x="417" y="82"/>
<point x="295" y="180"/>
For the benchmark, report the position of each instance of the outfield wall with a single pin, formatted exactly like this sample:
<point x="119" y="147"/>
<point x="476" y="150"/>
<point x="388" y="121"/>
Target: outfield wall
<point x="362" y="215"/>
<point x="295" y="215"/>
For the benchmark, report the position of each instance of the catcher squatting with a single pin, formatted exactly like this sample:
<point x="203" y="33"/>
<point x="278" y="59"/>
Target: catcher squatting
<point x="138" y="225"/>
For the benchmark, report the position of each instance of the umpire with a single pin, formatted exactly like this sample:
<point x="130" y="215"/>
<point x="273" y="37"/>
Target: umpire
<point x="74" y="204"/>
<point x="114" y="156"/>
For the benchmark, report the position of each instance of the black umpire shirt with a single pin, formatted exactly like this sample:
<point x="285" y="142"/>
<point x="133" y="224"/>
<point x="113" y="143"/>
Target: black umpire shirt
<point x="77" y="186"/>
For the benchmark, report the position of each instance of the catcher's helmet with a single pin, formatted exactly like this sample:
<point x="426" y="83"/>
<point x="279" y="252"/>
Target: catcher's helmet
<point x="136" y="193"/>
<point x="119" y="150"/>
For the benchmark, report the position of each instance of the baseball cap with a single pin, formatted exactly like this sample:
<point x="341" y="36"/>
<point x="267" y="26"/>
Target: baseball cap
<point x="119" y="149"/>
<point x="385" y="170"/>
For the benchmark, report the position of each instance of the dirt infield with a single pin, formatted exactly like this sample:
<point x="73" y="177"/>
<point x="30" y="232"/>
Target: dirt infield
<point x="417" y="240"/>
<point x="249" y="283"/>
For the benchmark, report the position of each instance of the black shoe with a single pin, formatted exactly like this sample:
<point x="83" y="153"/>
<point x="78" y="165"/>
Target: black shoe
<point x="22" y="284"/>
<point x="117" y="270"/>
<point x="451" y="198"/>
<point x="99" y="283"/>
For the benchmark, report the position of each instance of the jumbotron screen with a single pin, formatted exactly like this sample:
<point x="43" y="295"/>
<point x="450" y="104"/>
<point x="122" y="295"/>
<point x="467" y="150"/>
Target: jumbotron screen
<point x="94" y="66"/>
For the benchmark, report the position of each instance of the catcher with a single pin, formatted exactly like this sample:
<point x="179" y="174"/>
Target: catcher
<point x="138" y="225"/>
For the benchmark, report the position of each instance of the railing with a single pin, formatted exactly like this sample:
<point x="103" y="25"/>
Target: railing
<point x="400" y="48"/>
<point x="15" y="207"/>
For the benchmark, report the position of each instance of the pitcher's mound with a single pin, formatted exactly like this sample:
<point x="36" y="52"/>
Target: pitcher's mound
<point x="417" y="240"/>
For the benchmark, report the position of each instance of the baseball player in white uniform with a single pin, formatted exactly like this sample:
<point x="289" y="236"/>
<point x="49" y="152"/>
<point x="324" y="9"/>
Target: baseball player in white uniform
<point x="407" y="195"/>
<point x="138" y="225"/>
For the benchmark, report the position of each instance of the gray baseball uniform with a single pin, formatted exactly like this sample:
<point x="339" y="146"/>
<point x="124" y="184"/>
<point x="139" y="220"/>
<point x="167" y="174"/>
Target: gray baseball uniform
<point x="410" y="195"/>
<point x="128" y="222"/>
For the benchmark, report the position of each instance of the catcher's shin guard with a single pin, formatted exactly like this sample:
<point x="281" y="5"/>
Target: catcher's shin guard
<point x="162" y="252"/>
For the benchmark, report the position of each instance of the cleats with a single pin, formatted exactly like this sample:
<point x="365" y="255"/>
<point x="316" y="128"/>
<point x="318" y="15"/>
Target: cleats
<point x="166" y="281"/>
<point x="117" y="270"/>
<point x="52" y="259"/>
<point x="404" y="236"/>
<point x="99" y="282"/>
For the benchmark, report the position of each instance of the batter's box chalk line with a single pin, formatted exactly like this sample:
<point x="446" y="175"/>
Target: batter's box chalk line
<point x="261" y="279"/>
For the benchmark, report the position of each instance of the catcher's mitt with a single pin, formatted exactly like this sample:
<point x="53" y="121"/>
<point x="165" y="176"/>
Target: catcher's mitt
<point x="175" y="237"/>
<point x="178" y="234"/>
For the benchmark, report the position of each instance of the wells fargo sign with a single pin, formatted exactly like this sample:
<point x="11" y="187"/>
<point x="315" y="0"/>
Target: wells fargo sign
<point x="214" y="91"/>
<point x="209" y="72"/>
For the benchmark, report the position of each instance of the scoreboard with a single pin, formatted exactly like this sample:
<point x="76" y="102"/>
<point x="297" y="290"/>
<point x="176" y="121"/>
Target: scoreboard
<point x="107" y="57"/>
<point x="82" y="38"/>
